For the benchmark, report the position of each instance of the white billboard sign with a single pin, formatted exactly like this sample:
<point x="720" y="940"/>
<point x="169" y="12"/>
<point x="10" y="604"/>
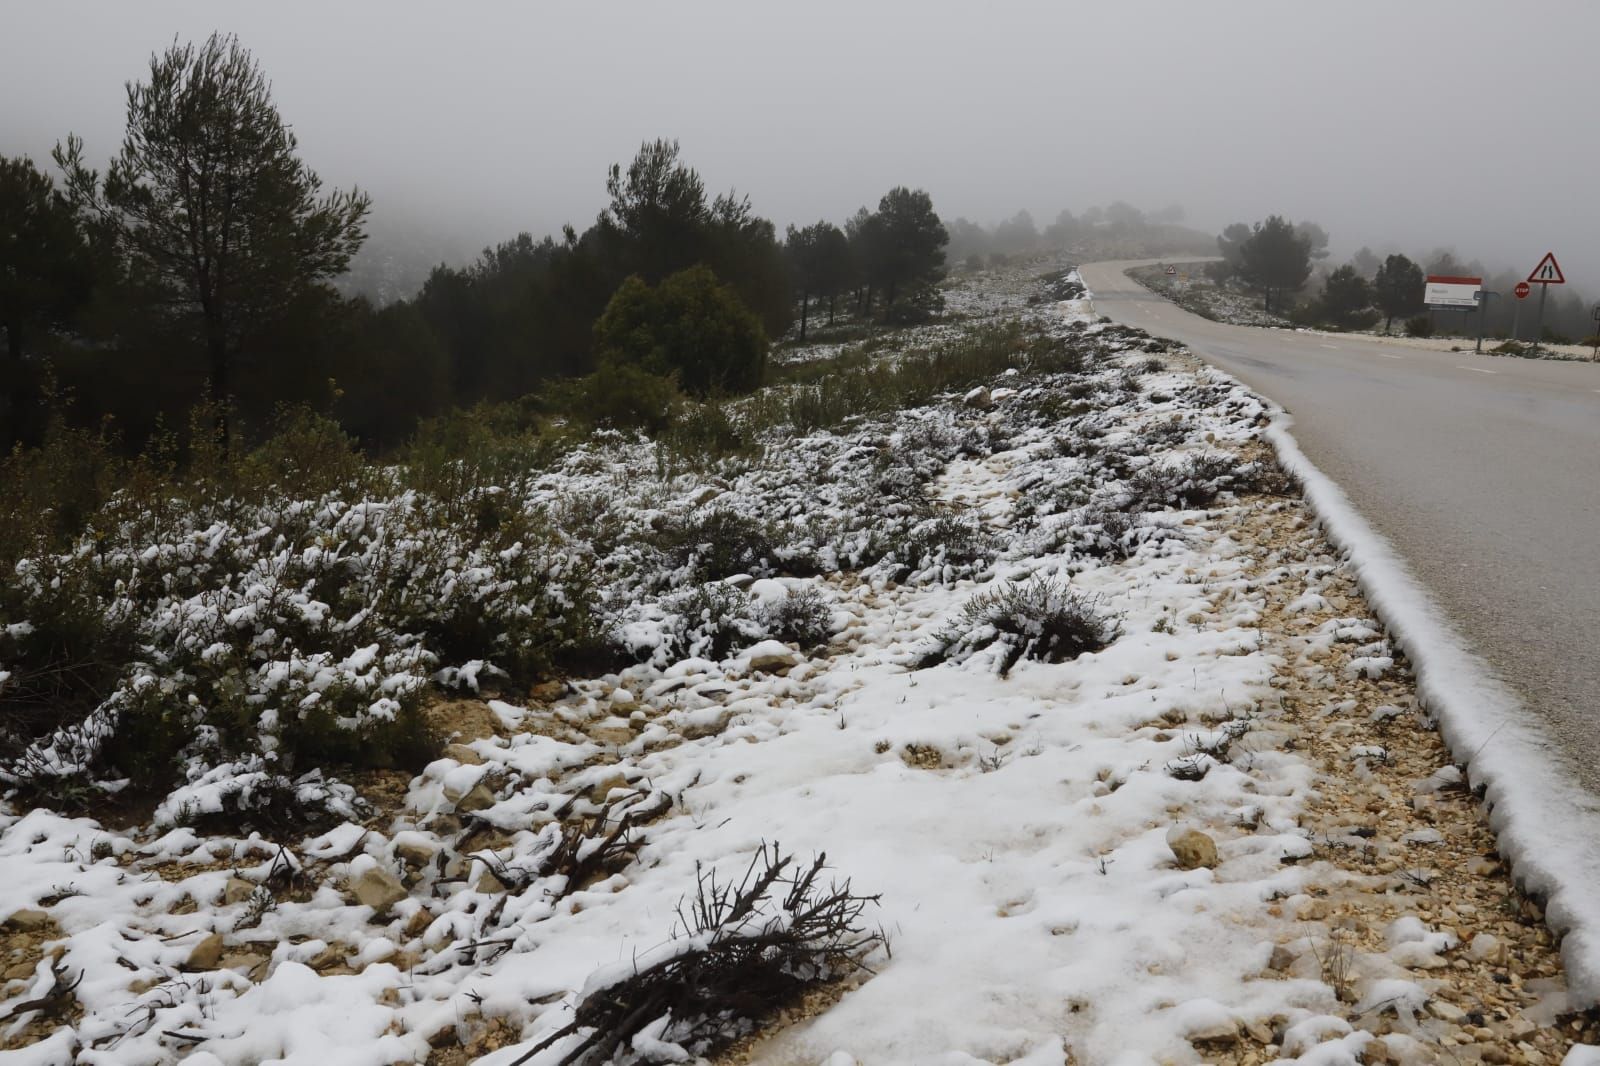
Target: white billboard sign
<point x="1448" y="291"/>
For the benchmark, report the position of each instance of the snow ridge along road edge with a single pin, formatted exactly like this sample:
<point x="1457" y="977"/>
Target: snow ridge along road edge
<point x="1547" y="827"/>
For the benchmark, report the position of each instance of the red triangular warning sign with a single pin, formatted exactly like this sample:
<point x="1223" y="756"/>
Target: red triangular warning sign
<point x="1548" y="272"/>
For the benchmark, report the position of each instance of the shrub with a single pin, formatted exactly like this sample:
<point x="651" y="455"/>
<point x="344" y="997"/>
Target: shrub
<point x="1039" y="619"/>
<point x="690" y="326"/>
<point x="711" y="621"/>
<point x="941" y="541"/>
<point x="1419" y="326"/>
<point x="701" y="434"/>
<point x="621" y="396"/>
<point x="1191" y="482"/>
<point x="801" y="617"/>
<point x="717" y="542"/>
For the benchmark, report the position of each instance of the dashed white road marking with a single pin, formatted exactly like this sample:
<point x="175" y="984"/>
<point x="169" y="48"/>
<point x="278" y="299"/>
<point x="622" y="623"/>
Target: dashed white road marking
<point x="1334" y="347"/>
<point x="1477" y="370"/>
<point x="1386" y="355"/>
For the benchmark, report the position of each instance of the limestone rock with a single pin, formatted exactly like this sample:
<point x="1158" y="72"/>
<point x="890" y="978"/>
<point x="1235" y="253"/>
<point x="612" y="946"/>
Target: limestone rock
<point x="237" y="890"/>
<point x="600" y="791"/>
<point x="27" y="920"/>
<point x="770" y="656"/>
<point x="414" y="853"/>
<point x="979" y="398"/>
<point x="1192" y="848"/>
<point x="377" y="888"/>
<point x="462" y="754"/>
<point x="464" y="720"/>
<point x="206" y="955"/>
<point x="477" y="798"/>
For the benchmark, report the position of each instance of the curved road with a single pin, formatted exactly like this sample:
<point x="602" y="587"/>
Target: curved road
<point x="1483" y="473"/>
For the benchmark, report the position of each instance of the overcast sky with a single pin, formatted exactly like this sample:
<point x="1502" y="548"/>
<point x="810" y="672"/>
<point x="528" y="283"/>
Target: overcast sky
<point x="1414" y="124"/>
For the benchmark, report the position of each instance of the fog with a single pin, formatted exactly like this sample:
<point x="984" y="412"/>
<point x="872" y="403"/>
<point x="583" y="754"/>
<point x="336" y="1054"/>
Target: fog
<point x="1401" y="126"/>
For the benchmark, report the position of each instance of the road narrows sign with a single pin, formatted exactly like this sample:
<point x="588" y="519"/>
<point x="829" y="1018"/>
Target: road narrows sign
<point x="1522" y="290"/>
<point x="1548" y="272"/>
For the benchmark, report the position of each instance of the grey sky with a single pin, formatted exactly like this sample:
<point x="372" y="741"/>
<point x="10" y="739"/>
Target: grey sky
<point x="1417" y="124"/>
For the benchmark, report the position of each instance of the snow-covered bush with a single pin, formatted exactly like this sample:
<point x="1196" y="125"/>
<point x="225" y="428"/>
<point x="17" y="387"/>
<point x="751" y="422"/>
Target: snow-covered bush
<point x="1193" y="481"/>
<point x="1037" y="619"/>
<point x="710" y="621"/>
<point x="801" y="616"/>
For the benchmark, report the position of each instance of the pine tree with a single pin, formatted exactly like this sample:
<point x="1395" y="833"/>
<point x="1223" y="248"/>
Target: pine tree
<point x="45" y="276"/>
<point x="1397" y="289"/>
<point x="209" y="203"/>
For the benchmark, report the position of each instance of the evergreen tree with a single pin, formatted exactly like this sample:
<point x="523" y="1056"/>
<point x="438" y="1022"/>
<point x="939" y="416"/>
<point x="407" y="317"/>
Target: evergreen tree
<point x="690" y="327"/>
<point x="209" y="203"/>
<point x="1397" y="289"/>
<point x="45" y="276"/>
<point x="910" y="241"/>
<point x="1276" y="259"/>
<point x="1346" y="295"/>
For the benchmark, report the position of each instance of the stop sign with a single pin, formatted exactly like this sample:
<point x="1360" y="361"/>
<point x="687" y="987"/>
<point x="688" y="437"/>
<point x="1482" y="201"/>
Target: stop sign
<point x="1522" y="290"/>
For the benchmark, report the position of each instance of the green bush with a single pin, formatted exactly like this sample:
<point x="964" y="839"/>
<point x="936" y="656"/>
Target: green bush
<point x="620" y="396"/>
<point x="690" y="327"/>
<point x="1419" y="326"/>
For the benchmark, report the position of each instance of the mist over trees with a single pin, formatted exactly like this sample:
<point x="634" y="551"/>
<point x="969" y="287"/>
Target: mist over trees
<point x="1117" y="230"/>
<point x="1279" y="261"/>
<point x="190" y="288"/>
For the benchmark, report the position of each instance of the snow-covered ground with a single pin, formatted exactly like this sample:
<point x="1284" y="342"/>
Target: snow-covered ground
<point x="1093" y="860"/>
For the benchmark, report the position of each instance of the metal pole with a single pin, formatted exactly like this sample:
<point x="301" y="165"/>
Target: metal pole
<point x="1538" y="327"/>
<point x="1483" y="315"/>
<point x="1516" y="320"/>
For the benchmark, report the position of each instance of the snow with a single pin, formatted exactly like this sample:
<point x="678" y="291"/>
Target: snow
<point x="1014" y="828"/>
<point x="1546" y="825"/>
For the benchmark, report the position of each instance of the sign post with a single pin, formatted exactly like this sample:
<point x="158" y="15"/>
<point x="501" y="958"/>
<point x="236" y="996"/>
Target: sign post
<point x="1484" y="296"/>
<point x="1594" y="356"/>
<point x="1521" y="293"/>
<point x="1546" y="274"/>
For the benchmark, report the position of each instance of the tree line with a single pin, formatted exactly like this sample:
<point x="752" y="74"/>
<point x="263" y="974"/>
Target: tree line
<point x="1277" y="259"/>
<point x="196" y="273"/>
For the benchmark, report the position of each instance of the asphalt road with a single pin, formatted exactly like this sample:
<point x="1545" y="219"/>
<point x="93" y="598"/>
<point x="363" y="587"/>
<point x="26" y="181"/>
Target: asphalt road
<point x="1482" y="472"/>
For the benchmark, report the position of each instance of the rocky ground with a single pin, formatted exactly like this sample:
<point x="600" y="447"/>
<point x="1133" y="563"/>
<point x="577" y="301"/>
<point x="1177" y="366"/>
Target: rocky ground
<point x="1222" y="830"/>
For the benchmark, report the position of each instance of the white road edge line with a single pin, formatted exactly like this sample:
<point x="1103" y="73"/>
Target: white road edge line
<point x="1477" y="370"/>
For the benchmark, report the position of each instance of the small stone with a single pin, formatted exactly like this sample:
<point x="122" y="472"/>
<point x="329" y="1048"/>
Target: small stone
<point x="20" y="971"/>
<point x="419" y="922"/>
<point x="1485" y="947"/>
<point x="547" y="691"/>
<point x="27" y="920"/>
<point x="237" y="890"/>
<point x="414" y="852"/>
<point x="770" y="660"/>
<point x="377" y="888"/>
<point x="206" y="954"/>
<point x="462" y="754"/>
<point x="1283" y="957"/>
<point x="1192" y="848"/>
<point x="599" y="792"/>
<point x="242" y="962"/>
<point x="1222" y="1033"/>
<point x="327" y="958"/>
<point x="488" y="883"/>
<point x="613" y="735"/>
<point x="477" y="798"/>
<point x="978" y="398"/>
<point x="1446" y="1011"/>
<point x="1494" y="1055"/>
